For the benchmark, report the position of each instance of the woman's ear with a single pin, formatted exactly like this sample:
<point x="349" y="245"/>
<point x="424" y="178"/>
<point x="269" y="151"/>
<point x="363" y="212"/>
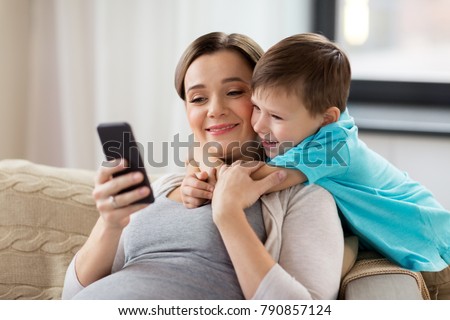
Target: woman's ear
<point x="331" y="115"/>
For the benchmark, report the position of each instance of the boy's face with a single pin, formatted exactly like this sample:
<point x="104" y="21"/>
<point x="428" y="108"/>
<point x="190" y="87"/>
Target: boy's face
<point x="281" y="120"/>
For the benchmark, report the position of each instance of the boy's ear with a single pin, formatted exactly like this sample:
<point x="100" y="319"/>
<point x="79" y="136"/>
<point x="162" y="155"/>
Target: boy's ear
<point x="331" y="115"/>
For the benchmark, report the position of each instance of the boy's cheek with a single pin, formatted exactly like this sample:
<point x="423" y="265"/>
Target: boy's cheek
<point x="253" y="119"/>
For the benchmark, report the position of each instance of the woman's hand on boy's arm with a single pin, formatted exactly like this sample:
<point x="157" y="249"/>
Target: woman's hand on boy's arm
<point x="293" y="178"/>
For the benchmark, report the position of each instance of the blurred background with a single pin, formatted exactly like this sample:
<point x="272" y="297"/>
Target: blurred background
<point x="67" y="65"/>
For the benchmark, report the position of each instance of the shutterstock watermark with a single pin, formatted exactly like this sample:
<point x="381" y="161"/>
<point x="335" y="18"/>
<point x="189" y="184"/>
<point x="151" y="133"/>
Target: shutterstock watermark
<point x="314" y="153"/>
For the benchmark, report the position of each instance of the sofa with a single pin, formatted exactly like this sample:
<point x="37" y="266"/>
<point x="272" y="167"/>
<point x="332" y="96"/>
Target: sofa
<point x="47" y="213"/>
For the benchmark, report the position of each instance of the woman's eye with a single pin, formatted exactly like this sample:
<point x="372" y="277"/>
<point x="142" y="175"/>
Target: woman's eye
<point x="197" y="100"/>
<point x="235" y="93"/>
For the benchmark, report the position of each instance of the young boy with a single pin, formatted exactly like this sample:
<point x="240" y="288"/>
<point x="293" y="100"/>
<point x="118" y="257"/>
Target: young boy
<point x="300" y="91"/>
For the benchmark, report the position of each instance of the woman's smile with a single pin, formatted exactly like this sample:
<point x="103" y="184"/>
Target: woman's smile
<point x="220" y="129"/>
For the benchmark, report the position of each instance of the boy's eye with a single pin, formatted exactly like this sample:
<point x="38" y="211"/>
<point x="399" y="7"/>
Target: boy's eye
<point x="256" y="108"/>
<point x="276" y="117"/>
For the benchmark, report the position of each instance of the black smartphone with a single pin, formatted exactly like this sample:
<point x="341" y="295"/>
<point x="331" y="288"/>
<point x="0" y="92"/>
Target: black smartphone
<point x="118" y="142"/>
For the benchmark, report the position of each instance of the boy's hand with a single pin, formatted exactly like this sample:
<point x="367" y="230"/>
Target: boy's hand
<point x="197" y="188"/>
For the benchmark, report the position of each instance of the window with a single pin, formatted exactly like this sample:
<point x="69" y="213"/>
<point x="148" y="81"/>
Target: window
<point x="398" y="49"/>
<point x="400" y="40"/>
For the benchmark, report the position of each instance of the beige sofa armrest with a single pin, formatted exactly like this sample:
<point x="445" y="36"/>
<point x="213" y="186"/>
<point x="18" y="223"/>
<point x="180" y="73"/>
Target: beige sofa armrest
<point x="376" y="278"/>
<point x="46" y="214"/>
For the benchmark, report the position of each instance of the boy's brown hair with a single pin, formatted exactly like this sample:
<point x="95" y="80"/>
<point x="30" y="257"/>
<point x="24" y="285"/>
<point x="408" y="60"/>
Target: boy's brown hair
<point x="309" y="66"/>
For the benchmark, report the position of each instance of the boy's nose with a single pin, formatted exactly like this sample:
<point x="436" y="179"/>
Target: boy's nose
<point x="259" y="124"/>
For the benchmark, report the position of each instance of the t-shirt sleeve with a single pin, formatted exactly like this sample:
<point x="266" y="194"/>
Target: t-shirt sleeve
<point x="326" y="154"/>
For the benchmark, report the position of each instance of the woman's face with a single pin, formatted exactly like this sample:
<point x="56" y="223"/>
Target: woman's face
<point x="218" y="103"/>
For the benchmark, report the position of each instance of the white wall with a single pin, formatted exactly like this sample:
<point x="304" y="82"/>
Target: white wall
<point x="14" y="47"/>
<point x="424" y="158"/>
<point x="67" y="65"/>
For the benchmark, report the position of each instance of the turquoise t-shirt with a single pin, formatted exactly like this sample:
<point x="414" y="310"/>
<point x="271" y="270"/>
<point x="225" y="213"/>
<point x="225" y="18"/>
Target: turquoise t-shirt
<point x="389" y="211"/>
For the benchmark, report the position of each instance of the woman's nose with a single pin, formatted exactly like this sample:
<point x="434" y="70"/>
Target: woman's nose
<point x="216" y="108"/>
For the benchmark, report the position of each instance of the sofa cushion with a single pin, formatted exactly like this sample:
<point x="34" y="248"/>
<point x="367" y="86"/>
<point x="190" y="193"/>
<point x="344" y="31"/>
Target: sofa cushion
<point x="46" y="214"/>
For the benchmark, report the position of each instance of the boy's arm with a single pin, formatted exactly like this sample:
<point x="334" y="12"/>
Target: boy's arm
<point x="294" y="177"/>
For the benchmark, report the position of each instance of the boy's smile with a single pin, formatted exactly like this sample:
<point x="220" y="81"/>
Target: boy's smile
<point x="268" y="144"/>
<point x="281" y="120"/>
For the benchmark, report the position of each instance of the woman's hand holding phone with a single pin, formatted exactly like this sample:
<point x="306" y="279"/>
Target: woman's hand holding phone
<point x="121" y="186"/>
<point x="115" y="207"/>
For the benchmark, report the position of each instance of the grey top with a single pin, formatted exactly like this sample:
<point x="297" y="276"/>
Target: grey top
<point x="304" y="237"/>
<point x="172" y="252"/>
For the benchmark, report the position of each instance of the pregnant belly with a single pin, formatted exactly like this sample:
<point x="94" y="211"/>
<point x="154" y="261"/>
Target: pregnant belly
<point x="160" y="280"/>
